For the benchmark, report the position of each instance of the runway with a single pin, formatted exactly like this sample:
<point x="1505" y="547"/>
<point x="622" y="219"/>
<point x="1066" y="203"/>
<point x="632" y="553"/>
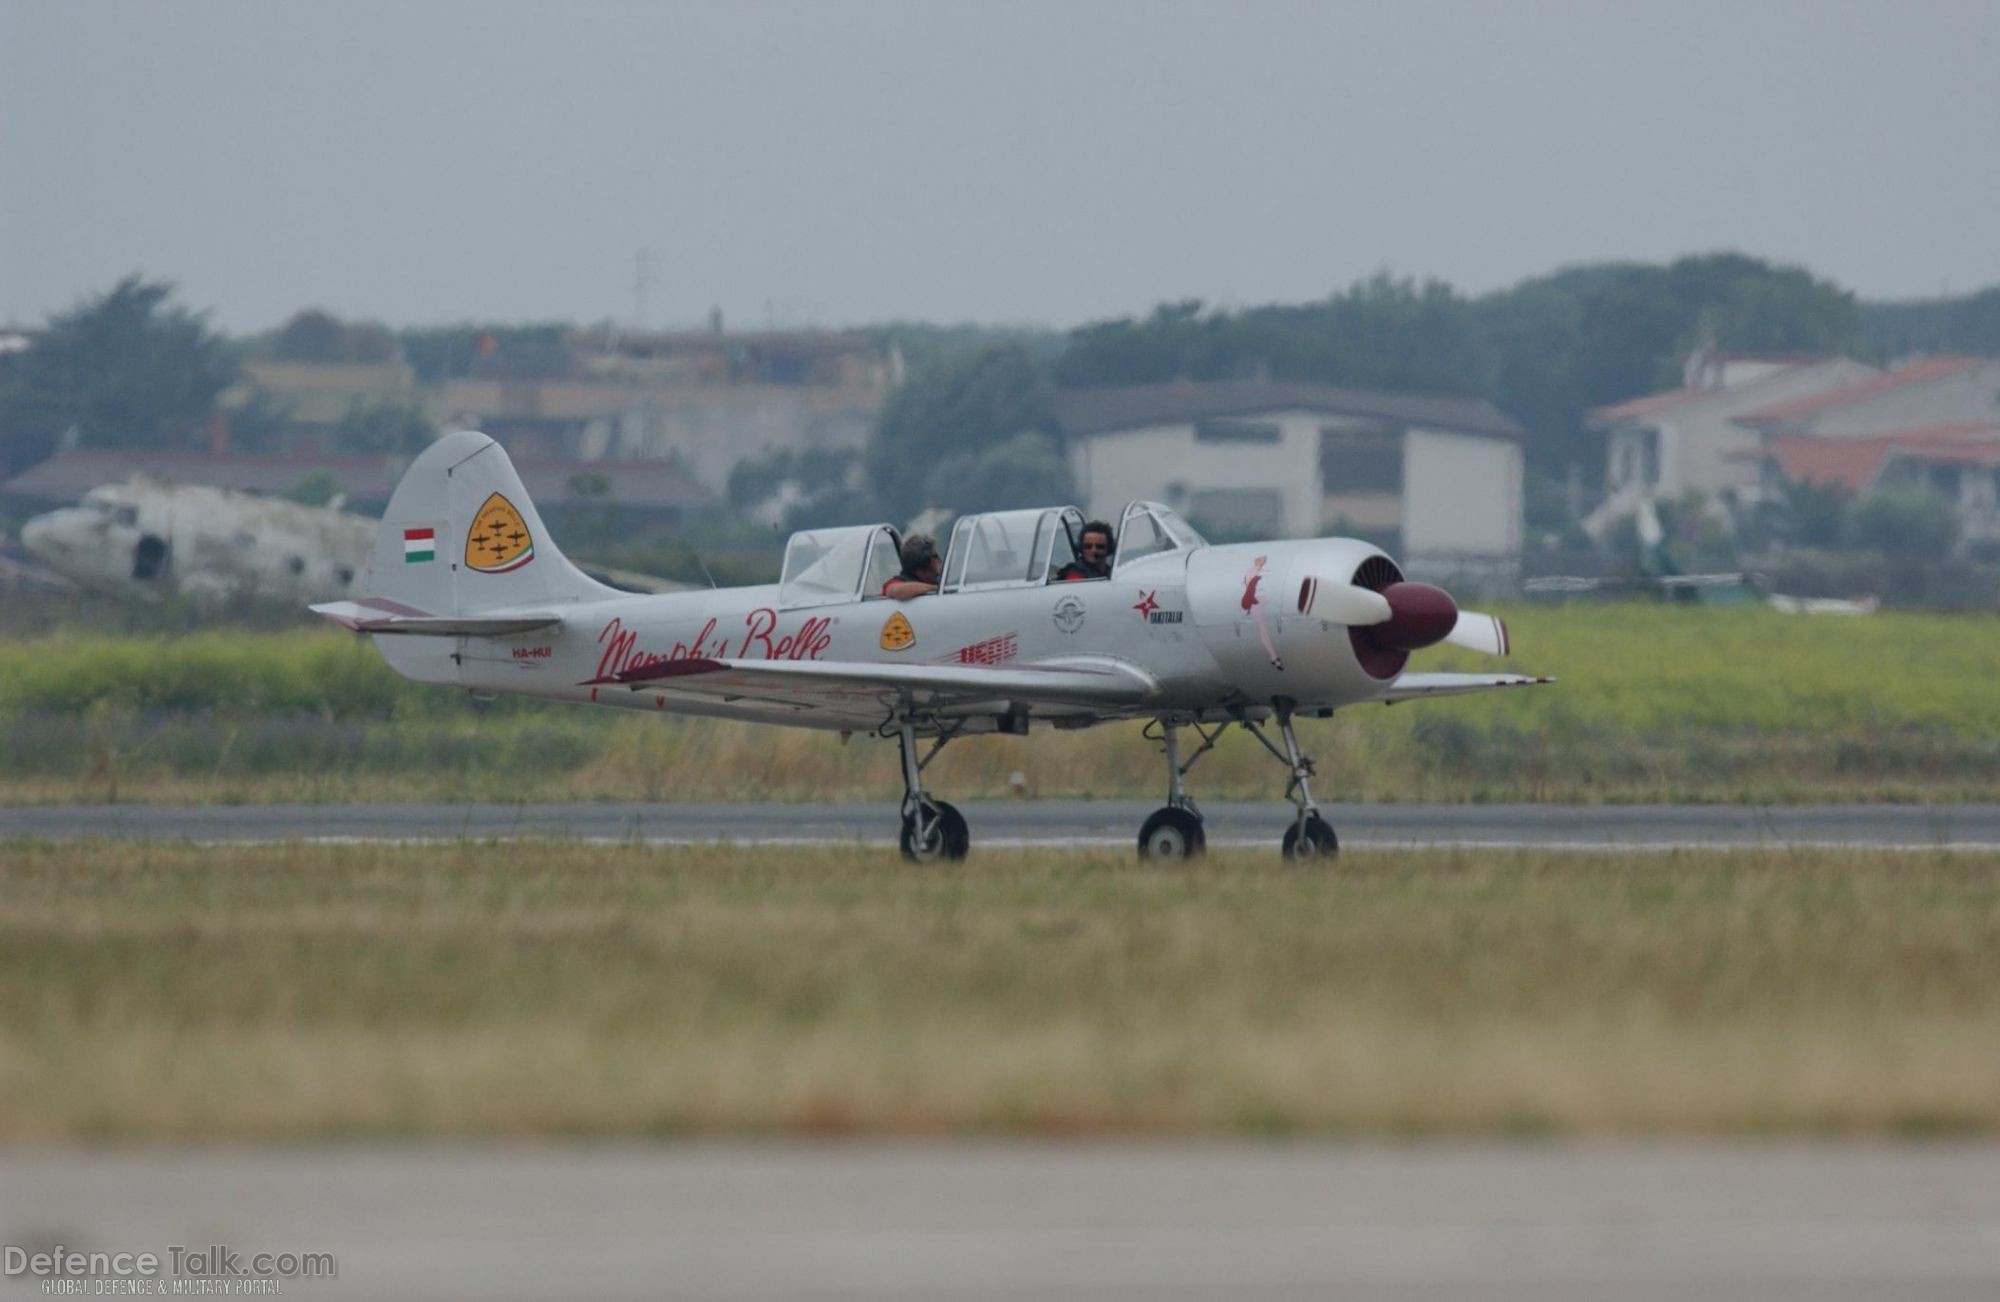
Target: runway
<point x="1074" y="1221"/>
<point x="1042" y="822"/>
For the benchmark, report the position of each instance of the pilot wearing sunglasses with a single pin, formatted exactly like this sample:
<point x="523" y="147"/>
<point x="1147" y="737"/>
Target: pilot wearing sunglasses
<point x="1093" y="554"/>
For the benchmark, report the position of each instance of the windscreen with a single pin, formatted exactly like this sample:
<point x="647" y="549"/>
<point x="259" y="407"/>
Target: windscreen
<point x="1149" y="529"/>
<point x="824" y="565"/>
<point x="1142" y="537"/>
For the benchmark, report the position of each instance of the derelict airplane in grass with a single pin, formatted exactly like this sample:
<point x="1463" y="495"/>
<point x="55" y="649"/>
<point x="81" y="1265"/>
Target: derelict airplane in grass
<point x="466" y="588"/>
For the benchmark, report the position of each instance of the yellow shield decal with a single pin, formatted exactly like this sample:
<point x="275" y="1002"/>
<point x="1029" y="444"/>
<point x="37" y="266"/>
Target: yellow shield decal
<point x="897" y="633"/>
<point x="498" y="540"/>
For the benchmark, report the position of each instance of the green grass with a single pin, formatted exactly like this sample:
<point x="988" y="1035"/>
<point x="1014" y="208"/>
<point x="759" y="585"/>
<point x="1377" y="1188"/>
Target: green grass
<point x="155" y="992"/>
<point x="1653" y="703"/>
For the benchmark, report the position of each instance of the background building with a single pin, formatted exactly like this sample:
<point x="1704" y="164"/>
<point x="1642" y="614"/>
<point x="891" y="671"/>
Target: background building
<point x="1959" y="462"/>
<point x="1916" y="395"/>
<point x="1434" y="480"/>
<point x="704" y="399"/>
<point x="1663" y="445"/>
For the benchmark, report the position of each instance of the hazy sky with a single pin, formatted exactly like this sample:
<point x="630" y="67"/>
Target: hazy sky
<point x="832" y="163"/>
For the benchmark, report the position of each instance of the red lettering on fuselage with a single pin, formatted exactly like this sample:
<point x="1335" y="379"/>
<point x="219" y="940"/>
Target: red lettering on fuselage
<point x="761" y="641"/>
<point x="804" y="643"/>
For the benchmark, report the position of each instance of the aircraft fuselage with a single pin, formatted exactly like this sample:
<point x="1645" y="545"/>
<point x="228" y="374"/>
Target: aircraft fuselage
<point x="1218" y="628"/>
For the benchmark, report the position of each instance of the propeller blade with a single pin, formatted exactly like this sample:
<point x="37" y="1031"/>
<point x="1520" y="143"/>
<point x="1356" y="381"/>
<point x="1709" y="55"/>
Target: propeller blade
<point x="1349" y="604"/>
<point x="1476" y="632"/>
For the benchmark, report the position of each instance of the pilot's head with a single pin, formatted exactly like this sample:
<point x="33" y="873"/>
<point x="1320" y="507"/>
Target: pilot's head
<point x="1093" y="543"/>
<point x="920" y="557"/>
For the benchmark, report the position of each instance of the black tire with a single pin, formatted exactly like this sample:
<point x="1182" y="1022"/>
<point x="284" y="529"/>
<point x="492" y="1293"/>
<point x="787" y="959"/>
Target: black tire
<point x="1319" y="841"/>
<point x="948" y="841"/>
<point x="1170" y="834"/>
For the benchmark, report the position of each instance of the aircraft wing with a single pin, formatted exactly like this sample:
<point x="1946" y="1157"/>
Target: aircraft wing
<point x="1417" y="687"/>
<point x="845" y="685"/>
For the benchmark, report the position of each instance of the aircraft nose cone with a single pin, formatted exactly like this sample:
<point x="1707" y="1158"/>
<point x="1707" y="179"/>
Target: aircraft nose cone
<point x="1419" y="616"/>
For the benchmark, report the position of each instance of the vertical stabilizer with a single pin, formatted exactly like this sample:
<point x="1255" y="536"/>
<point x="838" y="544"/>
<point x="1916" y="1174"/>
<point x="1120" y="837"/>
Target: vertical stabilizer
<point x="461" y="536"/>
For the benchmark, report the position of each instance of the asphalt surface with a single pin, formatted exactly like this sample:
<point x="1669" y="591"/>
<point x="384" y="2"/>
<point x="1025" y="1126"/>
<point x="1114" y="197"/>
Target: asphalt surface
<point x="969" y="1220"/>
<point x="1040" y="822"/>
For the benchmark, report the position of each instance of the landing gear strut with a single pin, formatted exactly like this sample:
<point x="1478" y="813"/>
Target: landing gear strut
<point x="1175" y="831"/>
<point x="1310" y="836"/>
<point x="933" y="831"/>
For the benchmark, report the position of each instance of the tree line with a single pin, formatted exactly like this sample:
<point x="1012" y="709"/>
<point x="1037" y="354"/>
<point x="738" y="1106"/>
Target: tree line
<point x="974" y="425"/>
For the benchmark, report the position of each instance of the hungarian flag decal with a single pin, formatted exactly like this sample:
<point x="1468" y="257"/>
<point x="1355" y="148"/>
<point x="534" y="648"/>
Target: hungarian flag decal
<point x="419" y="544"/>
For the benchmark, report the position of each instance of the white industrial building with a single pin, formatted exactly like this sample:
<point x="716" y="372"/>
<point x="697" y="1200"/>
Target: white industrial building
<point x="1435" y="481"/>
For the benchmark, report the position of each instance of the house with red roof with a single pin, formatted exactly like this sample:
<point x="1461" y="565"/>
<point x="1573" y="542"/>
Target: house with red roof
<point x="1661" y="445"/>
<point x="1931" y="423"/>
<point x="1920" y="394"/>
<point x="1959" y="461"/>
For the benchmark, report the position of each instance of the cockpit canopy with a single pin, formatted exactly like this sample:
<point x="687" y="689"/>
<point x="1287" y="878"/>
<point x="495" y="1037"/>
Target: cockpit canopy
<point x="1006" y="549"/>
<point x="1010" y="549"/>
<point x="1150" y="529"/>
<point x="109" y="502"/>
<point x="994" y="549"/>
<point x="823" y="566"/>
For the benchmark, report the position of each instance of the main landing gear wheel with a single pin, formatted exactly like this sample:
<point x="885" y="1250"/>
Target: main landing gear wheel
<point x="1175" y="831"/>
<point x="1172" y="833"/>
<point x="945" y="839"/>
<point x="1311" y="839"/>
<point x="933" y="831"/>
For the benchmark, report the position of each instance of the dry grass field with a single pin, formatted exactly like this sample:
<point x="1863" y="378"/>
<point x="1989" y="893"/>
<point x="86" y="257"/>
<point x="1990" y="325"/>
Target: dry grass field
<point x="152" y="992"/>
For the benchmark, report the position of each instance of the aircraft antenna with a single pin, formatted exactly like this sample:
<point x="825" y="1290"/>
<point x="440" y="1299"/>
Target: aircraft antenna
<point x="704" y="569"/>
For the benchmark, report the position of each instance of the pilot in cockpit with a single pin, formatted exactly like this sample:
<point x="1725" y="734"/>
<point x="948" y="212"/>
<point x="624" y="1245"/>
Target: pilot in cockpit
<point x="1093" y="554"/>
<point x="922" y="567"/>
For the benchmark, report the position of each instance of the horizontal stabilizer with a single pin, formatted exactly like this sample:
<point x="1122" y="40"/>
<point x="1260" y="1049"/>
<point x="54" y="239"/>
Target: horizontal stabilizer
<point x="1414" y="687"/>
<point x="375" y="615"/>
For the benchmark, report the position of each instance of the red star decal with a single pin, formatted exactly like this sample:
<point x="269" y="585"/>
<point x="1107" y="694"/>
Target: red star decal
<point x="1147" y="605"/>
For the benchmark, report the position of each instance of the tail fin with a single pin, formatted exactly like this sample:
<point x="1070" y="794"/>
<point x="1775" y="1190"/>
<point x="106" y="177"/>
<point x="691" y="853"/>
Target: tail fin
<point x="460" y="537"/>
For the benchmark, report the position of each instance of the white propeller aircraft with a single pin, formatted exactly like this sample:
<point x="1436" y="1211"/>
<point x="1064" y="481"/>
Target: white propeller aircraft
<point x="466" y="588"/>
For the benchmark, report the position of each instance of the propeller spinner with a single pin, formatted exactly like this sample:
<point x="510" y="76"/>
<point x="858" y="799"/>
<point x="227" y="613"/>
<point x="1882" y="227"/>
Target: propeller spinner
<point x="1387" y="624"/>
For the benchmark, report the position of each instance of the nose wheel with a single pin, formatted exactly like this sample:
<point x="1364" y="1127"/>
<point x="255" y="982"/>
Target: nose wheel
<point x="1310" y="837"/>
